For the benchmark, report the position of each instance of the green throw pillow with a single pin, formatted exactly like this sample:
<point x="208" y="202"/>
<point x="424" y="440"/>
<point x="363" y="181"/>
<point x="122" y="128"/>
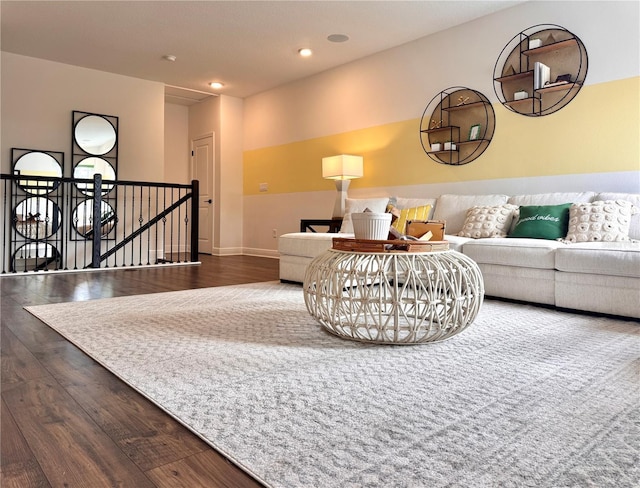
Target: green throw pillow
<point x="542" y="221"/>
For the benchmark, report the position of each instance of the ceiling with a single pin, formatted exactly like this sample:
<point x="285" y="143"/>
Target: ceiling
<point x="250" y="46"/>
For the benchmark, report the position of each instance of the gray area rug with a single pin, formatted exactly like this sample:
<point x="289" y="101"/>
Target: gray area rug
<point x="525" y="397"/>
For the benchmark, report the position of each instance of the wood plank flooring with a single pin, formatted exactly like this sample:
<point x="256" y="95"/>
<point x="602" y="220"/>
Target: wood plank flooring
<point x="68" y="422"/>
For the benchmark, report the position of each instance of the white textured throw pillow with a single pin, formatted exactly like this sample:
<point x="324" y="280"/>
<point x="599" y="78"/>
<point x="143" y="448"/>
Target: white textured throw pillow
<point x="488" y="221"/>
<point x="357" y="205"/>
<point x="605" y="220"/>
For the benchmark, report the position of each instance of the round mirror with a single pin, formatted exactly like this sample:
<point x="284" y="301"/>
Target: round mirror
<point x="88" y="167"/>
<point x="37" y="163"/>
<point x="82" y="218"/>
<point x="36" y="256"/>
<point x="95" y="135"/>
<point x="37" y="218"/>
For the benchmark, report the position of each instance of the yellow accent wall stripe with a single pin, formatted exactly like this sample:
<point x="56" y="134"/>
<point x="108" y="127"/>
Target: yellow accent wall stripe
<point x="599" y="131"/>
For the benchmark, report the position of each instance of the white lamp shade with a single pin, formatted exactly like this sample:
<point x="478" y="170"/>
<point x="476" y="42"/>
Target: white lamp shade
<point x="343" y="167"/>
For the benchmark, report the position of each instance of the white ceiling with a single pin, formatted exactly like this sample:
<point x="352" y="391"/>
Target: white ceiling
<point x="251" y="46"/>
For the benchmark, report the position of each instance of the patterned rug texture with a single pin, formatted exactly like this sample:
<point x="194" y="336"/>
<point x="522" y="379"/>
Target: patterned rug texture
<point x="525" y="397"/>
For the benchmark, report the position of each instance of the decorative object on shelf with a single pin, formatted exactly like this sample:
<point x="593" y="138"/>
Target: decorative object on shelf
<point x="541" y="75"/>
<point x="342" y="169"/>
<point x="449" y="146"/>
<point x="520" y="95"/>
<point x="458" y="109"/>
<point x="524" y="65"/>
<point x="474" y="132"/>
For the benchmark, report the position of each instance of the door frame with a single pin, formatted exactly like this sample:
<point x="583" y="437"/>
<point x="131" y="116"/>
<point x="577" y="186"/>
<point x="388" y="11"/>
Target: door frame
<point x="212" y="182"/>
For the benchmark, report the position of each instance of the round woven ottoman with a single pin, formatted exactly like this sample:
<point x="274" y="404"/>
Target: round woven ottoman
<point x="393" y="297"/>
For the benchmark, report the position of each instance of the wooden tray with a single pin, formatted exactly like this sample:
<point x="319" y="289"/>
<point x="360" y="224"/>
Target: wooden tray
<point x="364" y="245"/>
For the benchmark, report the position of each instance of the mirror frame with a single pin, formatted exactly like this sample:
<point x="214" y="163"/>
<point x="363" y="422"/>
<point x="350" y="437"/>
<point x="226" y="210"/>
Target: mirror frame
<point x="87" y="188"/>
<point x="106" y="229"/>
<point x="16" y="156"/>
<point x="55" y="264"/>
<point x="111" y="140"/>
<point x="53" y="218"/>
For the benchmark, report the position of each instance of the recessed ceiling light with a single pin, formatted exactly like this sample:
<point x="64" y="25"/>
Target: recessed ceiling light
<point x="338" y="38"/>
<point x="216" y="84"/>
<point x="305" y="52"/>
<point x="169" y="57"/>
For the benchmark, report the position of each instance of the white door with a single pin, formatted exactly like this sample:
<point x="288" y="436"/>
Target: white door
<point x="203" y="170"/>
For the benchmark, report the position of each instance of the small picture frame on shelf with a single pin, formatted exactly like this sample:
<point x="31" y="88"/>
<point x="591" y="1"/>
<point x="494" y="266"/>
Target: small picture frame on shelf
<point x="474" y="132"/>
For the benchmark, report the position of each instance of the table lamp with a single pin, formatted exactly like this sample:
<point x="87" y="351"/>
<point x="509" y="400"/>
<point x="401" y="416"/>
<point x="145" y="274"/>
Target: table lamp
<point x="342" y="168"/>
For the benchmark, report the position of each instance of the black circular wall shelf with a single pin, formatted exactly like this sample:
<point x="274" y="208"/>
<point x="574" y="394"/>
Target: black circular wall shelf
<point x="457" y="126"/>
<point x="540" y="70"/>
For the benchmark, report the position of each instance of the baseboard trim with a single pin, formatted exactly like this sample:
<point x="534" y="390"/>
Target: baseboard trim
<point x="227" y="251"/>
<point x="263" y="253"/>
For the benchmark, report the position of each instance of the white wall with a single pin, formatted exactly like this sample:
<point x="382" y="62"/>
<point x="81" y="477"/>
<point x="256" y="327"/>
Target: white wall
<point x="223" y="116"/>
<point x="229" y="189"/>
<point x="176" y="143"/>
<point x="39" y="96"/>
<point x="396" y="86"/>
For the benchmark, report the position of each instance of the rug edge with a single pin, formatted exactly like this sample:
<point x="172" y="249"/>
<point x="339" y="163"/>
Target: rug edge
<point x="219" y="450"/>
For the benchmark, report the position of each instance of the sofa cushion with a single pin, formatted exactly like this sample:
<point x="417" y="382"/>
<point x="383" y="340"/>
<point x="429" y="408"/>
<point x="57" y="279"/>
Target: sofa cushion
<point x="487" y="221"/>
<point x="456" y="243"/>
<point x="401" y="202"/>
<point x="453" y="208"/>
<point x="307" y="244"/>
<point x="600" y="258"/>
<point x="352" y="205"/>
<point x="542" y="221"/>
<point x="525" y="253"/>
<point x="552" y="198"/>
<point x="604" y="220"/>
<point x="634" y="227"/>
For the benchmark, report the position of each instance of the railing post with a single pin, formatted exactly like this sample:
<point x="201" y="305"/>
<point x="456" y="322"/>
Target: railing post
<point x="97" y="218"/>
<point x="195" y="219"/>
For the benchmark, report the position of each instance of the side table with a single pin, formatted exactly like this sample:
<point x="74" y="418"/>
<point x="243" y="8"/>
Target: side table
<point x="393" y="297"/>
<point x="308" y="224"/>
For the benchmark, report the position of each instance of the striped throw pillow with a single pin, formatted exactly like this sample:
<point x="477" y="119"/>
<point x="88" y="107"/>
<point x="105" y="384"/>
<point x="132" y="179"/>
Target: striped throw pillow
<point x="414" y="213"/>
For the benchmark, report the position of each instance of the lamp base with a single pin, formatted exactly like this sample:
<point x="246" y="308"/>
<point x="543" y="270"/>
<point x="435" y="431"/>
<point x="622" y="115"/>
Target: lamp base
<point x="341" y="197"/>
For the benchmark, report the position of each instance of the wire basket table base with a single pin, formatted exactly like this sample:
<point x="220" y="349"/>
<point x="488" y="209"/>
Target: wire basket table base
<point x="393" y="298"/>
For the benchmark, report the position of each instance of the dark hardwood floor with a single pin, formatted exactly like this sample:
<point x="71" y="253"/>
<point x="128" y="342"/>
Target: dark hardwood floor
<point x="68" y="422"/>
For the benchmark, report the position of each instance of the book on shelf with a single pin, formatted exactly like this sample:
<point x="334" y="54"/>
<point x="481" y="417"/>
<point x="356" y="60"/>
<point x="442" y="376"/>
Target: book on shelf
<point x="541" y="75"/>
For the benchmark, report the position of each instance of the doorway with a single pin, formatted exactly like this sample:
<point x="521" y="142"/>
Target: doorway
<point x="203" y="170"/>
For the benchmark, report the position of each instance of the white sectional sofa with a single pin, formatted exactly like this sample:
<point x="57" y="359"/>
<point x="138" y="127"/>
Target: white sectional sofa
<point x="601" y="276"/>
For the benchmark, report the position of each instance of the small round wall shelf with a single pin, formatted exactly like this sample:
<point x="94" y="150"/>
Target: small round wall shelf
<point x="540" y="70"/>
<point x="457" y="126"/>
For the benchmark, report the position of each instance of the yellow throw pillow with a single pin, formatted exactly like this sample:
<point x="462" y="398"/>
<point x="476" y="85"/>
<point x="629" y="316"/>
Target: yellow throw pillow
<point x="415" y="213"/>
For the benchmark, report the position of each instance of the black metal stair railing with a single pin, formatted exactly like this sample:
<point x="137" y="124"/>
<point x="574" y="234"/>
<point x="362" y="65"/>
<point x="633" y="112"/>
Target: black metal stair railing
<point x="53" y="224"/>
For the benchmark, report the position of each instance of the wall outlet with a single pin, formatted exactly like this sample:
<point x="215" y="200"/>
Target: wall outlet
<point x="274" y="233"/>
<point x="264" y="187"/>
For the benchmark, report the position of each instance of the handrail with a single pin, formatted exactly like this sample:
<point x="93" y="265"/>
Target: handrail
<point x="48" y="223"/>
<point x="141" y="230"/>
